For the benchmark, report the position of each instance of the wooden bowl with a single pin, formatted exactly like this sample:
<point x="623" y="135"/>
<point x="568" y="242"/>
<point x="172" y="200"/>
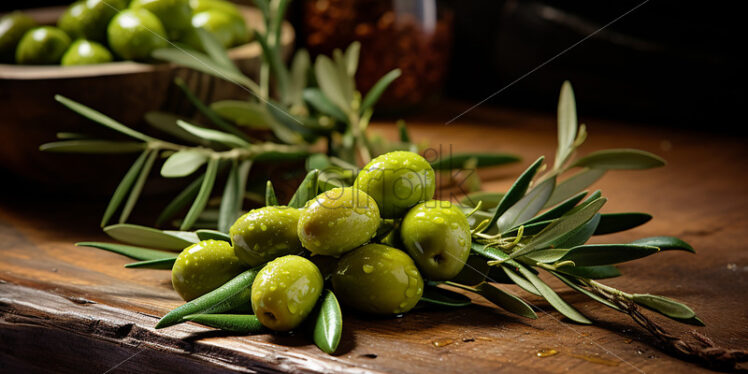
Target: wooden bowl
<point x="123" y="90"/>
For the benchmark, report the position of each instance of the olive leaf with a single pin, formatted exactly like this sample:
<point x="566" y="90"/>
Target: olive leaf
<point x="203" y="63"/>
<point x="505" y="300"/>
<point x="167" y="123"/>
<point x="607" y="254"/>
<point x="205" y="234"/>
<point x="515" y="193"/>
<point x="559" y="210"/>
<point x="665" y="243"/>
<point x="490" y="199"/>
<point x="402" y="130"/>
<point x="591" y="272"/>
<point x="180" y="201"/>
<point x="276" y="64"/>
<point x="577" y="236"/>
<point x="102" y="119"/>
<point x="665" y="306"/>
<point x="573" y="185"/>
<point x="547" y="256"/>
<point x="209" y="113"/>
<point x="233" y="195"/>
<point x="215" y="50"/>
<point x="124" y="187"/>
<point x="158" y="264"/>
<point x="92" y="146"/>
<point x="137" y="253"/>
<point x="519" y="280"/>
<point x="226" y="139"/>
<point x="552" y="297"/>
<point x="202" y="196"/>
<point x="270" y="198"/>
<point x="137" y="187"/>
<point x="529" y="229"/>
<point x="441" y="297"/>
<point x="320" y="102"/>
<point x="569" y="282"/>
<point x="528" y="206"/>
<point x="331" y="84"/>
<point x="474" y="271"/>
<point x="236" y="323"/>
<point x="183" y="163"/>
<point x="307" y="190"/>
<point x="328" y="323"/>
<point x="298" y="77"/>
<point x="378" y="89"/>
<point x="615" y="222"/>
<point x="627" y="159"/>
<point x="148" y="237"/>
<point x="243" y="113"/>
<point x="457" y="160"/>
<point x="567" y="124"/>
<point x="351" y="58"/>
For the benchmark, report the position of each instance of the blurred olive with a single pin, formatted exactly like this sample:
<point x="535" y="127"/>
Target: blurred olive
<point x="12" y="28"/>
<point x="43" y="45"/>
<point x="88" y="19"/>
<point x="135" y="33"/>
<point x="86" y="52"/>
<point x="217" y="23"/>
<point x="175" y="15"/>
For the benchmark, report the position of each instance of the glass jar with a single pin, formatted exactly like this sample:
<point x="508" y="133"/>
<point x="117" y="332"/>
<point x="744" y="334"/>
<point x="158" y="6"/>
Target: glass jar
<point x="412" y="35"/>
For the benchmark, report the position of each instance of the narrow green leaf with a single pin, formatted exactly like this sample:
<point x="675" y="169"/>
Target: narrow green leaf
<point x="351" y="58"/>
<point x="519" y="280"/>
<point x="505" y="300"/>
<point x="561" y="227"/>
<point x="626" y="159"/>
<point x="444" y="298"/>
<point x="243" y="113"/>
<point x="205" y="234"/>
<point x="552" y="297"/>
<point x="547" y="256"/>
<point x="215" y="50"/>
<point x="490" y="199"/>
<point x="202" y="197"/>
<point x="236" y="323"/>
<point x="528" y="206"/>
<point x="529" y="229"/>
<point x="201" y="62"/>
<point x="298" y="77"/>
<point x="665" y="306"/>
<point x="328" y="323"/>
<point x="270" y="198"/>
<point x="573" y="185"/>
<point x="567" y="124"/>
<point x="559" y="209"/>
<point x="607" y="254"/>
<point x="276" y="64"/>
<point x="183" y="163"/>
<point x="402" y="129"/>
<point x="137" y="187"/>
<point x="318" y="100"/>
<point x="515" y="193"/>
<point x="474" y="271"/>
<point x="457" y="160"/>
<point x="209" y="113"/>
<point x="123" y="188"/>
<point x="158" y="264"/>
<point x="330" y="83"/>
<point x="180" y="201"/>
<point x="229" y="140"/>
<point x="233" y="195"/>
<point x="577" y="236"/>
<point x="585" y="291"/>
<point x="102" y="119"/>
<point x="591" y="272"/>
<point x="665" y="243"/>
<point x="378" y="89"/>
<point x="307" y="190"/>
<point x="137" y="253"/>
<point x="147" y="237"/>
<point x="167" y="123"/>
<point x="92" y="146"/>
<point x="616" y="222"/>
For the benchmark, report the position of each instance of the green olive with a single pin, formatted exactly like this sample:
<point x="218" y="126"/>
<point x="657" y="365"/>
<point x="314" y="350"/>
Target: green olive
<point x="135" y="33"/>
<point x="43" y="45"/>
<point x="218" y="23"/>
<point x="378" y="279"/>
<point x="285" y="292"/>
<point x="266" y="233"/>
<point x="88" y="19"/>
<point x="224" y="6"/>
<point x="203" y="267"/>
<point x="12" y="27"/>
<point x="337" y="221"/>
<point x="85" y="52"/>
<point x="397" y="181"/>
<point x="437" y="235"/>
<point x="175" y="15"/>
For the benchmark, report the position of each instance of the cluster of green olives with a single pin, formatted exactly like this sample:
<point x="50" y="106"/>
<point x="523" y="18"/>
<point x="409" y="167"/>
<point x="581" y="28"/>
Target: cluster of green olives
<point x="98" y="31"/>
<point x="340" y="226"/>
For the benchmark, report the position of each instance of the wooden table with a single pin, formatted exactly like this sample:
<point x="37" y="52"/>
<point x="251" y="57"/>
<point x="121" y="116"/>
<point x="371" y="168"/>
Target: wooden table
<point x="71" y="309"/>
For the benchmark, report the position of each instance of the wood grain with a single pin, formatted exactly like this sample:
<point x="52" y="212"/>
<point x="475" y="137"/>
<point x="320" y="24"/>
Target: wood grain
<point x="87" y="313"/>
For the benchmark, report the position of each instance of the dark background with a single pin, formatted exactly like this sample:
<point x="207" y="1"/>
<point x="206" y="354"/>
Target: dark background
<point x="667" y="63"/>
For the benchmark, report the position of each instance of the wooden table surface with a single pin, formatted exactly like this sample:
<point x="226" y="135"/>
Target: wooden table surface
<point x="70" y="309"/>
